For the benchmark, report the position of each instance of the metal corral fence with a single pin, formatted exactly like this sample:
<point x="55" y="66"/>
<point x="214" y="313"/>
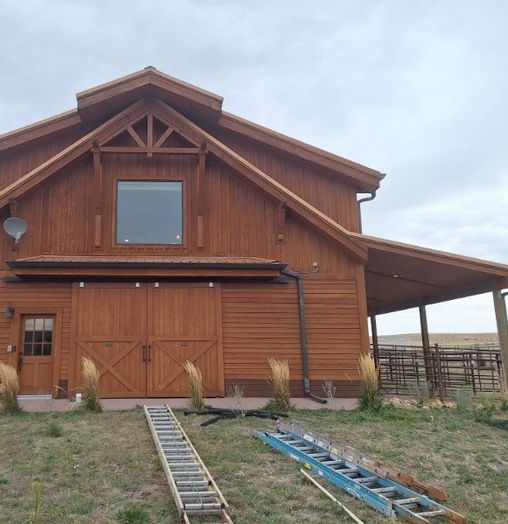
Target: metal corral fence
<point x="440" y="370"/>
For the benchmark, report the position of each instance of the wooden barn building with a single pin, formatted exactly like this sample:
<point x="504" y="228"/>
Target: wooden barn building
<point x="162" y="229"/>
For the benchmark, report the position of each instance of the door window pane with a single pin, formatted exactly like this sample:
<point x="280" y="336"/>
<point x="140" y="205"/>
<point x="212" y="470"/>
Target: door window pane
<point x="149" y="212"/>
<point x="38" y="336"/>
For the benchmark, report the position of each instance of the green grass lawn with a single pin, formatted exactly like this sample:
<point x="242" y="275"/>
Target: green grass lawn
<point x="98" y="468"/>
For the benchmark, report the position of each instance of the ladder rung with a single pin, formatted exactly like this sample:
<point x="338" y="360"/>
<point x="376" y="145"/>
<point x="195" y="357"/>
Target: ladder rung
<point x="331" y="462"/>
<point x="384" y="490"/>
<point x="431" y="513"/>
<point x="204" y="506"/>
<point x="190" y="483"/>
<point x="197" y="494"/>
<point x="365" y="480"/>
<point x="411" y="500"/>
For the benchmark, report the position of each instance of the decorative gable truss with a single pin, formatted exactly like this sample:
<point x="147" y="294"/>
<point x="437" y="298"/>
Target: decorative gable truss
<point x="153" y="127"/>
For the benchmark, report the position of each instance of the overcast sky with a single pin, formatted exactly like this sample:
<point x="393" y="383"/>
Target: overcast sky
<point x="416" y="89"/>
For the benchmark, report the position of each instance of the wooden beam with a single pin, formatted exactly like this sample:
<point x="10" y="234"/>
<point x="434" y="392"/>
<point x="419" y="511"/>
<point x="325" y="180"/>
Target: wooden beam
<point x="502" y="330"/>
<point x="375" y="339"/>
<point x="424" y="329"/>
<point x="201" y="196"/>
<point x="13" y="207"/>
<point x="144" y="150"/>
<point x="102" y="133"/>
<point x="163" y="137"/>
<point x="262" y="181"/>
<point x="149" y="134"/>
<point x="97" y="164"/>
<point x="135" y="136"/>
<point x="280" y="222"/>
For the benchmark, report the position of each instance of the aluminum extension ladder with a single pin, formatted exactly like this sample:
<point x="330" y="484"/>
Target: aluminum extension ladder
<point x="383" y="494"/>
<point x="193" y="488"/>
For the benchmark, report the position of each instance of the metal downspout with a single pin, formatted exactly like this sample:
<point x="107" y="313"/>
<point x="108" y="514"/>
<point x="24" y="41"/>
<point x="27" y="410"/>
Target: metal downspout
<point x="303" y="335"/>
<point x="366" y="199"/>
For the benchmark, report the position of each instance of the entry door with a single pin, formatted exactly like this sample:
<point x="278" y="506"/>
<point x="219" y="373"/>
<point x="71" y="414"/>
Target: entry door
<point x="184" y="324"/>
<point x="111" y="330"/>
<point x="35" y="357"/>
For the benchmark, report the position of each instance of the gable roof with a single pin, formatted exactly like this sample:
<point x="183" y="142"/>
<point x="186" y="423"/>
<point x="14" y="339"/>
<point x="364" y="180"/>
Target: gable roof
<point x="187" y="128"/>
<point x="103" y="101"/>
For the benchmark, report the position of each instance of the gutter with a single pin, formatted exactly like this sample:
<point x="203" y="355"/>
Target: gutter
<point x="366" y="199"/>
<point x="155" y="265"/>
<point x="303" y="335"/>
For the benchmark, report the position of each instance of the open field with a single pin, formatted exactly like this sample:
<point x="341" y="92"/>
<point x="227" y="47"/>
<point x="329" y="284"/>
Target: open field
<point x="103" y="467"/>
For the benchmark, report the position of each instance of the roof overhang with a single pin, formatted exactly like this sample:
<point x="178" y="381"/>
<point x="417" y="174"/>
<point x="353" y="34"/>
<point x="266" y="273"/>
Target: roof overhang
<point x="401" y="276"/>
<point x="117" y="267"/>
<point x="111" y="97"/>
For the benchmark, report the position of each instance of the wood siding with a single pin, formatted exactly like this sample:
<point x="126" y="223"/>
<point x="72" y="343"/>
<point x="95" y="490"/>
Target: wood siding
<point x="239" y="220"/>
<point x="261" y="321"/>
<point x="227" y="217"/>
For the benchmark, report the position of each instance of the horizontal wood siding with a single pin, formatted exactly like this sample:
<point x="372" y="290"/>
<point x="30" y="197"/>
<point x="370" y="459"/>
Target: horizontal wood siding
<point x="36" y="299"/>
<point x="261" y="321"/>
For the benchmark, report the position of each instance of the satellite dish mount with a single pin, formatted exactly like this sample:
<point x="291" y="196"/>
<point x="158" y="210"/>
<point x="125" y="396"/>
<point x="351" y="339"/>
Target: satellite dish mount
<point x="16" y="228"/>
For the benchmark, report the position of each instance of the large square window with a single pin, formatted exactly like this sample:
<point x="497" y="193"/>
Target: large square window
<point x="149" y="212"/>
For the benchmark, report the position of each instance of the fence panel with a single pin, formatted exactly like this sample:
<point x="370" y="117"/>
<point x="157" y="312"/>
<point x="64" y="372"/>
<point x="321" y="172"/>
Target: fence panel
<point x="404" y="369"/>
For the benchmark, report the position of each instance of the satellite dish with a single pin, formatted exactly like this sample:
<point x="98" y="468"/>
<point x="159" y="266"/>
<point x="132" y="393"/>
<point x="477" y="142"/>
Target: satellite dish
<point x="15" y="227"/>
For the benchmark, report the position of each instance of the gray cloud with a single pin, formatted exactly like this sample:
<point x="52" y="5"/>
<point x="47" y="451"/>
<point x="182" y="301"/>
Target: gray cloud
<point x="416" y="89"/>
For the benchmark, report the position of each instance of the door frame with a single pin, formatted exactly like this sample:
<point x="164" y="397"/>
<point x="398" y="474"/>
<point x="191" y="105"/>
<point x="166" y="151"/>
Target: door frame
<point x="17" y="333"/>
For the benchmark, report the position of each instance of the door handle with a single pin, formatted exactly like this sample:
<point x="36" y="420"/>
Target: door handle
<point x="143" y="347"/>
<point x="20" y="362"/>
<point x="149" y="353"/>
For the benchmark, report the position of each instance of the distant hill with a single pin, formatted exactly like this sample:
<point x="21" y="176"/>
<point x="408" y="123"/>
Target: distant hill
<point x="443" y="339"/>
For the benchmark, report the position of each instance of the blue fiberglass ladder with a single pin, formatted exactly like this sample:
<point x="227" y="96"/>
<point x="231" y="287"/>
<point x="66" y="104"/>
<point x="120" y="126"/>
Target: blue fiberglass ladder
<point x="389" y="497"/>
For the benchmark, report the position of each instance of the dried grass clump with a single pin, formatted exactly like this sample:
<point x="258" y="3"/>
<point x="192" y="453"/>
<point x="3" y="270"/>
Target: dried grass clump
<point x="90" y="376"/>
<point x="280" y="385"/>
<point x="196" y="384"/>
<point x="9" y="388"/>
<point x="370" y="399"/>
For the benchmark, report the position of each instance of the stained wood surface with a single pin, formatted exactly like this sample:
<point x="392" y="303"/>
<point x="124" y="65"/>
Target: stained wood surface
<point x="140" y="337"/>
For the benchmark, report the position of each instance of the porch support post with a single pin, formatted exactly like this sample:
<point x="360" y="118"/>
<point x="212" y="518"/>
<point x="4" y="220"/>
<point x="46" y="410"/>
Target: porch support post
<point x="375" y="341"/>
<point x="502" y="331"/>
<point x="424" y="328"/>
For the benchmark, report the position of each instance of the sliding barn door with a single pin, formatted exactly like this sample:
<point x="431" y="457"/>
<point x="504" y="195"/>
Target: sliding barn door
<point x="184" y="324"/>
<point x="111" y="330"/>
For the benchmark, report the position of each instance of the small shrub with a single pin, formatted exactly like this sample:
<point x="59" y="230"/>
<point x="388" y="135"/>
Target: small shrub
<point x="370" y="398"/>
<point x="9" y="388"/>
<point x="196" y="384"/>
<point x="3" y="481"/>
<point x="281" y="393"/>
<point x="329" y="389"/>
<point x="36" y="488"/>
<point x="132" y="514"/>
<point x="91" y="395"/>
<point x="503" y="397"/>
<point x="464" y="400"/>
<point x="421" y="392"/>
<point x="53" y="429"/>
<point x="235" y="392"/>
